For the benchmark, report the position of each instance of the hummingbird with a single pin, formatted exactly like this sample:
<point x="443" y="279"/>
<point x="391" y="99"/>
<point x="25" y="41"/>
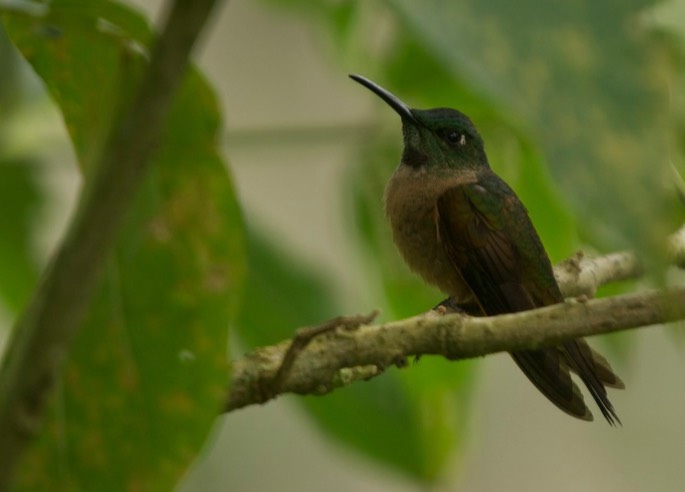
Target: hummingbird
<point x="464" y="230"/>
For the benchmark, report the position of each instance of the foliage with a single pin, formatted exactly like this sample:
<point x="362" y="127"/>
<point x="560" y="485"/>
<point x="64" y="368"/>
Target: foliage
<point x="148" y="371"/>
<point x="570" y="98"/>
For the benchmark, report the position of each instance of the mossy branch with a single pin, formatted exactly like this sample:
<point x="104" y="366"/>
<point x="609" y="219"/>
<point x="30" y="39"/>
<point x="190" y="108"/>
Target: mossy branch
<point x="348" y="353"/>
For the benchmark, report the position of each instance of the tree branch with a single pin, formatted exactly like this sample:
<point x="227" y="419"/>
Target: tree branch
<point x="341" y="356"/>
<point x="581" y="276"/>
<point x="42" y="335"/>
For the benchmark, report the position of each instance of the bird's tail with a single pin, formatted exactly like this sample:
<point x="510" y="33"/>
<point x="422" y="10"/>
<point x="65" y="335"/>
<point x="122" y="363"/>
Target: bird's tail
<point x="548" y="370"/>
<point x="596" y="373"/>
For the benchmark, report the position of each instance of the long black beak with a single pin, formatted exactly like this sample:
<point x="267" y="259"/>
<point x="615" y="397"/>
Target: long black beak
<point x="402" y="109"/>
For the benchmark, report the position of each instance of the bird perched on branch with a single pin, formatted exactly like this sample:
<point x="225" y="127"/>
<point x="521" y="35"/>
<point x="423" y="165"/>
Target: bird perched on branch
<point x="464" y="230"/>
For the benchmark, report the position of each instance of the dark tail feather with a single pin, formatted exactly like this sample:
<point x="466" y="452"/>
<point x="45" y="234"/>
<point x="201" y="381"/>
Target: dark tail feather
<point x="548" y="371"/>
<point x="595" y="372"/>
<point x="604" y="371"/>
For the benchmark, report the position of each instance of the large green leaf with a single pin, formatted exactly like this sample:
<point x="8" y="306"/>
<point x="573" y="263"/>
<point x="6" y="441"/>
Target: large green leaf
<point x="412" y="419"/>
<point x="147" y="373"/>
<point x="281" y="293"/>
<point x="19" y="200"/>
<point x="20" y="197"/>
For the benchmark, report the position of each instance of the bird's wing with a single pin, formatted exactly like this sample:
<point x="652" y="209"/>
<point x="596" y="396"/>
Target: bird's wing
<point x="492" y="243"/>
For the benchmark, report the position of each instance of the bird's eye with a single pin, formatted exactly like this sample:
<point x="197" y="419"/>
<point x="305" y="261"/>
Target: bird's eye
<point x="455" y="137"/>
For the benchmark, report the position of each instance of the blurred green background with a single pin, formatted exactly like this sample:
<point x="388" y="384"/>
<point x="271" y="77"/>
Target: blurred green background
<point x="580" y="105"/>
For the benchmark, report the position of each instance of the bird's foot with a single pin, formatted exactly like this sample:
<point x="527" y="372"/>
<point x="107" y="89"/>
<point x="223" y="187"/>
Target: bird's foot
<point x="452" y="306"/>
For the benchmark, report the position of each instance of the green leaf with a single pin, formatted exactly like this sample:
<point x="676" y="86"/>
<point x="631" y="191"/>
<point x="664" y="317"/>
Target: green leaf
<point x="20" y="198"/>
<point x="87" y="39"/>
<point x="296" y="295"/>
<point x="411" y="420"/>
<point x="147" y="374"/>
